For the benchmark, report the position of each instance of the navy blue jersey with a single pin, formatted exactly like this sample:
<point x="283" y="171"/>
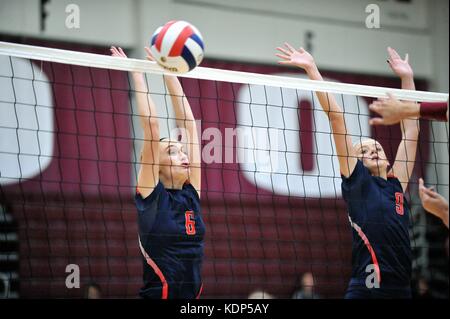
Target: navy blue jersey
<point x="171" y="232"/>
<point x="379" y="217"/>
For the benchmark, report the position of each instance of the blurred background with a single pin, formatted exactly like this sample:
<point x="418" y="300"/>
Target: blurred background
<point x="62" y="213"/>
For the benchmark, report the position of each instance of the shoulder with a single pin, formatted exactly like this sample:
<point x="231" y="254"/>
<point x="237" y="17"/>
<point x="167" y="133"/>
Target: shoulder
<point x="358" y="175"/>
<point x="143" y="203"/>
<point x="191" y="189"/>
<point x="359" y="169"/>
<point x="393" y="180"/>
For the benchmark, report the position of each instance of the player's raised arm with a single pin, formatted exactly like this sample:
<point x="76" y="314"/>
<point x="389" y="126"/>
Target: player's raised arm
<point x="149" y="172"/>
<point x="433" y="202"/>
<point x="392" y="110"/>
<point x="344" y="146"/>
<point x="406" y="153"/>
<point x="185" y="120"/>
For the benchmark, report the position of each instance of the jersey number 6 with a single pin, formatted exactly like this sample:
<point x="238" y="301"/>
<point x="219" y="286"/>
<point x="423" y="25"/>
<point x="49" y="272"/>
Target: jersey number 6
<point x="190" y="222"/>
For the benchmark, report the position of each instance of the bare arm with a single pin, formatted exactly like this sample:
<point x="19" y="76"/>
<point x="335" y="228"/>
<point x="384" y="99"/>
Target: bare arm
<point x="392" y="111"/>
<point x="185" y="120"/>
<point x="406" y="153"/>
<point x="433" y="202"/>
<point x="344" y="145"/>
<point x="149" y="172"/>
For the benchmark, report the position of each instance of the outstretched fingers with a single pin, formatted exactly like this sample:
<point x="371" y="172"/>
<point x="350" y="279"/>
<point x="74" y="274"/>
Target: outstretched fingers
<point x="290" y="47"/>
<point x="429" y="192"/>
<point x="284" y="51"/>
<point x="424" y="190"/>
<point x="393" y="54"/>
<point x="282" y="56"/>
<point x="377" y="121"/>
<point x="117" y="52"/>
<point x="121" y="52"/>
<point x="149" y="54"/>
<point x="113" y="50"/>
<point x="376" y="106"/>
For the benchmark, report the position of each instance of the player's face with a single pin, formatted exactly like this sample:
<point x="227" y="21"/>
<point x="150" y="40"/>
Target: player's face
<point x="371" y="153"/>
<point x="173" y="161"/>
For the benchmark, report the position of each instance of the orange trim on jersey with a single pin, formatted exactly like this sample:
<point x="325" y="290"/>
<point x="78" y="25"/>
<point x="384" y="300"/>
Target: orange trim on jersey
<point x="391" y="176"/>
<point x="369" y="247"/>
<point x="199" y="292"/>
<point x="158" y="272"/>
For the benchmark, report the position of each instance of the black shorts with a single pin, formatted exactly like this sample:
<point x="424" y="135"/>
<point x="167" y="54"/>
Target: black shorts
<point x="360" y="291"/>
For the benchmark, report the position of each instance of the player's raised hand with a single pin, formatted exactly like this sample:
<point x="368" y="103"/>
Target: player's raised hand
<point x="392" y="111"/>
<point x="151" y="58"/>
<point x="149" y="54"/>
<point x="290" y="56"/>
<point x="433" y="202"/>
<point x="117" y="52"/>
<point x="400" y="66"/>
<point x="138" y="76"/>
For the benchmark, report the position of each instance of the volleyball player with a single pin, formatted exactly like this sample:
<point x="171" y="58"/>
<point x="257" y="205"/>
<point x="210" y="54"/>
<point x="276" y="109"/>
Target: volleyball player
<point x="378" y="212"/>
<point x="171" y="229"/>
<point x="393" y="111"/>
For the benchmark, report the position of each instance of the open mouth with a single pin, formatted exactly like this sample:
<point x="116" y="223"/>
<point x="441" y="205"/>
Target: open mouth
<point x="377" y="160"/>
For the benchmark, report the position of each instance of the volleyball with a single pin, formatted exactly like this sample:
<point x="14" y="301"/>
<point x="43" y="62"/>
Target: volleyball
<point x="177" y="46"/>
<point x="197" y="150"/>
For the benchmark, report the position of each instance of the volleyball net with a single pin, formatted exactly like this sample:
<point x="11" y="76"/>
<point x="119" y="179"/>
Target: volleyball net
<point x="271" y="196"/>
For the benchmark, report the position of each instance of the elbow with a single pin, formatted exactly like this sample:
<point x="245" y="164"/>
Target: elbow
<point x="154" y="128"/>
<point x="337" y="122"/>
<point x="336" y="117"/>
<point x="149" y="122"/>
<point x="151" y="129"/>
<point x="154" y="123"/>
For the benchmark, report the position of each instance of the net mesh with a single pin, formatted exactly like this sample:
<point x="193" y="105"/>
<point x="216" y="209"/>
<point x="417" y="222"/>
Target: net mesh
<point x="271" y="197"/>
